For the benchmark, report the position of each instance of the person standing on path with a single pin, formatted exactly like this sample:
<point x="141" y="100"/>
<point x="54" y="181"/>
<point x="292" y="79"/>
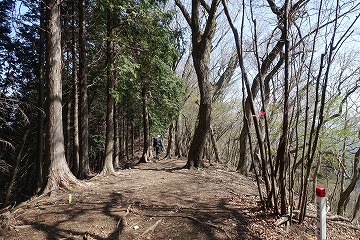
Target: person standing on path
<point x="158" y="146"/>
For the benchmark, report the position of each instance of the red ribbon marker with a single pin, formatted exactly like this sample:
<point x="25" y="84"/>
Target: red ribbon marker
<point x="260" y="114"/>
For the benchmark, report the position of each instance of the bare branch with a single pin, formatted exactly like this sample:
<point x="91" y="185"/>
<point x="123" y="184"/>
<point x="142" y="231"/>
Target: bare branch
<point x="184" y="11"/>
<point x="210" y="26"/>
<point x="205" y="5"/>
<point x="275" y="9"/>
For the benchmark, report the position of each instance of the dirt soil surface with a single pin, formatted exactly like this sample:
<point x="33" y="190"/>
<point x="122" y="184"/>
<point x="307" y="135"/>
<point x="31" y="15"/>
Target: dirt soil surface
<point x="160" y="201"/>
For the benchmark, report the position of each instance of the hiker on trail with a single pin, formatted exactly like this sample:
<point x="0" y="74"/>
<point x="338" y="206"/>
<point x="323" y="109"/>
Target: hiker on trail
<point x="158" y="145"/>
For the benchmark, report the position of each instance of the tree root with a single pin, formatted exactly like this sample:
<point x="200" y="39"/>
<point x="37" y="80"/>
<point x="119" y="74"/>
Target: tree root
<point x="339" y="220"/>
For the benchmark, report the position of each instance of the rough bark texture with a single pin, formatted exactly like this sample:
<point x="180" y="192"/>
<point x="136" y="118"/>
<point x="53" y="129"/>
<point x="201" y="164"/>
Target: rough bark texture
<point x="116" y="136"/>
<point x="75" y="95"/>
<point x="282" y="151"/>
<point x="170" y="141"/>
<point x="144" y="96"/>
<point x="201" y="41"/>
<point x="355" y="177"/>
<point x="214" y="144"/>
<point x="244" y="164"/>
<point x="109" y="143"/>
<point x="178" y="152"/>
<point x="264" y="71"/>
<point x="356" y="209"/>
<point x="41" y="100"/>
<point x="84" y="165"/>
<point x="58" y="172"/>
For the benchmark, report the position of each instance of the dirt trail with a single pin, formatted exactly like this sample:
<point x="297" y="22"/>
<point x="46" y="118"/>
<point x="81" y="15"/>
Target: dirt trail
<point x="156" y="201"/>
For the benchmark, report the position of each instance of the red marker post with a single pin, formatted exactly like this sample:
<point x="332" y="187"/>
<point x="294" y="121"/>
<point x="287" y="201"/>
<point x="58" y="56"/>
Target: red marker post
<point x="321" y="213"/>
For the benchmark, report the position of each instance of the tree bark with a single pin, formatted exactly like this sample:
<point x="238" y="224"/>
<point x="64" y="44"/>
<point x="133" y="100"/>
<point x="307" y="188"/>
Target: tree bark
<point x="75" y="95"/>
<point x="58" y="173"/>
<point x="109" y="144"/>
<point x="266" y="64"/>
<point x="213" y="143"/>
<point x="41" y="99"/>
<point x="170" y="141"/>
<point x="201" y="42"/>
<point x="355" y="177"/>
<point x="178" y="152"/>
<point x="132" y="150"/>
<point x="315" y="178"/>
<point x="249" y="100"/>
<point x="84" y="165"/>
<point x="145" y="110"/>
<point x="356" y="209"/>
<point x="318" y="115"/>
<point x="282" y="151"/>
<point x="116" y="136"/>
<point x="15" y="171"/>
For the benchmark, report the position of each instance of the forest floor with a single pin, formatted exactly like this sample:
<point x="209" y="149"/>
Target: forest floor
<point x="160" y="201"/>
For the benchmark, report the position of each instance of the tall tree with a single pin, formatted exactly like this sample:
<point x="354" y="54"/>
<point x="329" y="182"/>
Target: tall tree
<point x="75" y="94"/>
<point x="110" y="52"/>
<point x="41" y="97"/>
<point x="146" y="124"/>
<point x="84" y="167"/>
<point x="5" y="40"/>
<point x="201" y="40"/>
<point x="282" y="151"/>
<point x="154" y="50"/>
<point x="57" y="171"/>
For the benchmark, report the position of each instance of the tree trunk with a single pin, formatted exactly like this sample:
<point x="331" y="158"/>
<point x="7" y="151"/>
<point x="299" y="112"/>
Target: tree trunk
<point x="201" y="41"/>
<point x="177" y="138"/>
<point x="267" y="73"/>
<point x="84" y="165"/>
<point x="355" y="177"/>
<point x="356" y="209"/>
<point x="213" y="142"/>
<point x="116" y="136"/>
<point x="132" y="140"/>
<point x="170" y="141"/>
<point x="123" y="141"/>
<point x="318" y="116"/>
<point x="109" y="144"/>
<point x="315" y="178"/>
<point x="282" y="151"/>
<point x="58" y="172"/>
<point x="75" y="95"/>
<point x="126" y="124"/>
<point x="15" y="171"/>
<point x="144" y="96"/>
<point x="41" y="99"/>
<point x="244" y="164"/>
<point x="202" y="129"/>
<point x="68" y="134"/>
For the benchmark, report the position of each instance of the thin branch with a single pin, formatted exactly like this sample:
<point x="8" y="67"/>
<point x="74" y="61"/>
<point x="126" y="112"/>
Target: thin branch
<point x="184" y="11"/>
<point x="205" y="5"/>
<point x="211" y="19"/>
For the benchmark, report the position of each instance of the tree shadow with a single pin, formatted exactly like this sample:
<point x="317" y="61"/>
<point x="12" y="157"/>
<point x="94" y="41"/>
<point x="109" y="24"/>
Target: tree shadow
<point x="204" y="221"/>
<point x="72" y="215"/>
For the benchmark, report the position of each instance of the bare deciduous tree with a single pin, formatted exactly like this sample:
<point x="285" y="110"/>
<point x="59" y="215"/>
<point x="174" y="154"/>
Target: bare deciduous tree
<point x="201" y="46"/>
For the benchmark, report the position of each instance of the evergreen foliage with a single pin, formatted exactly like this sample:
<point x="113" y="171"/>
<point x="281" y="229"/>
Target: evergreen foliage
<point x="145" y="45"/>
<point x="147" y="50"/>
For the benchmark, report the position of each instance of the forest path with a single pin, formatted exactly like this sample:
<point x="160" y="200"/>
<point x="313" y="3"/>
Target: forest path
<point x="154" y="201"/>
